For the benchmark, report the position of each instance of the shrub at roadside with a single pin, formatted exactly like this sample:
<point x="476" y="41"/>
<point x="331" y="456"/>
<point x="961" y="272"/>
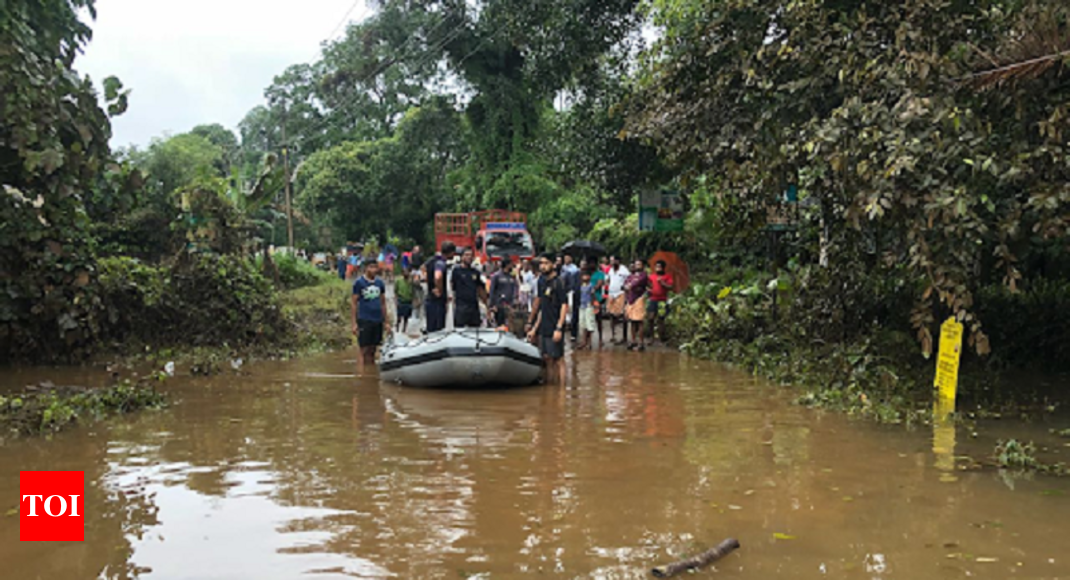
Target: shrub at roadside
<point x="202" y="303"/>
<point x="200" y="300"/>
<point x="320" y="315"/>
<point x="843" y="352"/>
<point x="843" y="338"/>
<point x="1029" y="328"/>
<point x="295" y="272"/>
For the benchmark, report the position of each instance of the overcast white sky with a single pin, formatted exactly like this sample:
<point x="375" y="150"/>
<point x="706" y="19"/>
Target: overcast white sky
<point x="201" y="61"/>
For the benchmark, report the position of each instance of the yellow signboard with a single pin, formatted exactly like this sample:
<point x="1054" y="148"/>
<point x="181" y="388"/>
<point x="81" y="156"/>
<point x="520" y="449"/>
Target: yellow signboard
<point x="947" y="361"/>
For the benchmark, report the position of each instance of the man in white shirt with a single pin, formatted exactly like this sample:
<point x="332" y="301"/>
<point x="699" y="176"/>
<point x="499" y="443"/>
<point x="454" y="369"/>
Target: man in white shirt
<point x="528" y="284"/>
<point x="615" y="304"/>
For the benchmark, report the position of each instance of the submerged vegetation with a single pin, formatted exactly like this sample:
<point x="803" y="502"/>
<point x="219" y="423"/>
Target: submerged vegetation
<point x="1015" y="455"/>
<point x="47" y="408"/>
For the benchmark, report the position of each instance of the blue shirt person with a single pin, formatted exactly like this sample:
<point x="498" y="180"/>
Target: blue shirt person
<point x="368" y="309"/>
<point x="368" y="293"/>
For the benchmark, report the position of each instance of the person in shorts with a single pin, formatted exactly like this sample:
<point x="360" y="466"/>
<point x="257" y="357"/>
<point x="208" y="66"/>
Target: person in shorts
<point x="635" y="288"/>
<point x="546" y="327"/>
<point x="368" y="307"/>
<point x="657" y="306"/>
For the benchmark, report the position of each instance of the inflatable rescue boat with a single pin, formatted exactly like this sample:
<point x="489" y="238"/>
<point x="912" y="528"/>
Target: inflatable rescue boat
<point x="467" y="357"/>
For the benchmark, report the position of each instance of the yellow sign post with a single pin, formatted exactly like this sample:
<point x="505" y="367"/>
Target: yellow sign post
<point x="947" y="361"/>
<point x="947" y="378"/>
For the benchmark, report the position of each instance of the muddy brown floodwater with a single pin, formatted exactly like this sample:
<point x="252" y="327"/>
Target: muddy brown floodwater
<point x="298" y="469"/>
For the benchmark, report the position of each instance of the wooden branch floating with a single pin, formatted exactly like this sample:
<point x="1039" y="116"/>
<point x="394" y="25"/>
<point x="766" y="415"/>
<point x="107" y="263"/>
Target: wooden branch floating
<point x="704" y="559"/>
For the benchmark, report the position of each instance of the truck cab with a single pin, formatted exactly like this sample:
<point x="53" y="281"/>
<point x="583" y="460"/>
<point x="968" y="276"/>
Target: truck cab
<point x="499" y="240"/>
<point x="492" y="234"/>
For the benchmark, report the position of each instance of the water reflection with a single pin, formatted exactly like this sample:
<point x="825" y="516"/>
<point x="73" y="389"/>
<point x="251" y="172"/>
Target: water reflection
<point x="300" y="468"/>
<point x="944" y="438"/>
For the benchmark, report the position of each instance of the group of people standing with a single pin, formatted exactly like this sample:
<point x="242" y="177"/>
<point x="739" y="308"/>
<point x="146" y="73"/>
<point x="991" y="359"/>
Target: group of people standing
<point x="548" y="297"/>
<point x="628" y="297"/>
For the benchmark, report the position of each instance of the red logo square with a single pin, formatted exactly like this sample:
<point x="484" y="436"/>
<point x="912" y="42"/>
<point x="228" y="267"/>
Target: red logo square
<point x="51" y="506"/>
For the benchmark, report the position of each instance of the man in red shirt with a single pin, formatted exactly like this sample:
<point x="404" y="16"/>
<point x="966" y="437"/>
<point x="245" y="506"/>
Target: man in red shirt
<point x="661" y="283"/>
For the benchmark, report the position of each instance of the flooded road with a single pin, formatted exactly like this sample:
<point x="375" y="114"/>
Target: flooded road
<point x="298" y="469"/>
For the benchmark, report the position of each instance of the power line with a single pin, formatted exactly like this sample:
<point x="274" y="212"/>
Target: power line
<point x="344" y="20"/>
<point x="428" y="55"/>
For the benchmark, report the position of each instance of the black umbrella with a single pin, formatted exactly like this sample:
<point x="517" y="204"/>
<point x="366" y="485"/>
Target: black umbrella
<point x="583" y="248"/>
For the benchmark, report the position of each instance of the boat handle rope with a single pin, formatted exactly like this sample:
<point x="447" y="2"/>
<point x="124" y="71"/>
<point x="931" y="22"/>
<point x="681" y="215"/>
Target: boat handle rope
<point x="465" y="332"/>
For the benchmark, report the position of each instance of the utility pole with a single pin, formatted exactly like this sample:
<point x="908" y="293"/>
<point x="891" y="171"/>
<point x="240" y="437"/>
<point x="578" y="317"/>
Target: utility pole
<point x="286" y="170"/>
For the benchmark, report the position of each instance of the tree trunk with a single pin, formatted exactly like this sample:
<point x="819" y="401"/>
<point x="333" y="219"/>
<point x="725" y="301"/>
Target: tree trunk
<point x="704" y="559"/>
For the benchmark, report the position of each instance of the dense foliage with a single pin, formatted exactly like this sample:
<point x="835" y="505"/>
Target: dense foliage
<point x="53" y="156"/>
<point x="914" y="168"/>
<point x="925" y="140"/>
<point x="204" y="299"/>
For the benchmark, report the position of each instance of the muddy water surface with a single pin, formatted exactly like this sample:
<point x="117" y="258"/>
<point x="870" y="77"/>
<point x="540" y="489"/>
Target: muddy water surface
<point x="299" y="469"/>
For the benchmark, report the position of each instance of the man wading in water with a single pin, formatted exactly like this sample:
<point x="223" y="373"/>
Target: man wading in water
<point x="435" y="302"/>
<point x="468" y="291"/>
<point x="547" y="322"/>
<point x="368" y="307"/>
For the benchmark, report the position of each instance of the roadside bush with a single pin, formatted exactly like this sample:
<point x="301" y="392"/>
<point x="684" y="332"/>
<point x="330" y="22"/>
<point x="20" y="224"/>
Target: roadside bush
<point x="848" y="303"/>
<point x="223" y="299"/>
<point x="295" y="272"/>
<point x="48" y="295"/>
<point x="846" y="353"/>
<point x="199" y="300"/>
<point x="1030" y="328"/>
<point x="134" y="295"/>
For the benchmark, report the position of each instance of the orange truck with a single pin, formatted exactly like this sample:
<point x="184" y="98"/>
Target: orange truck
<point x="492" y="234"/>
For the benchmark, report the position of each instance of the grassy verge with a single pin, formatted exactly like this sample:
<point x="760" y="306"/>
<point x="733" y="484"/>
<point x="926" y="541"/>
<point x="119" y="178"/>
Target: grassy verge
<point x="47" y="408"/>
<point x="320" y="316"/>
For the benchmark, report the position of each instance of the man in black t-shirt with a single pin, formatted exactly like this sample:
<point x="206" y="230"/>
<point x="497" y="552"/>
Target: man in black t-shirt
<point x="468" y="291"/>
<point x="436" y="271"/>
<point x="547" y="321"/>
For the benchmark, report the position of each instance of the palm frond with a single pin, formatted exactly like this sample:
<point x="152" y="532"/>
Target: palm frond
<point x="1016" y="71"/>
<point x="1042" y="46"/>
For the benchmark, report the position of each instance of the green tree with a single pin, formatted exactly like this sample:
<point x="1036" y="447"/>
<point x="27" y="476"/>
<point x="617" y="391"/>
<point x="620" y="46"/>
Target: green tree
<point x="223" y="138"/>
<point x="379" y="70"/>
<point x="175" y="162"/>
<point x="389" y="186"/>
<point x="53" y="149"/>
<point x="864" y="106"/>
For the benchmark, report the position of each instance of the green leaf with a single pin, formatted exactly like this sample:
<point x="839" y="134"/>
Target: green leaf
<point x="112" y="86"/>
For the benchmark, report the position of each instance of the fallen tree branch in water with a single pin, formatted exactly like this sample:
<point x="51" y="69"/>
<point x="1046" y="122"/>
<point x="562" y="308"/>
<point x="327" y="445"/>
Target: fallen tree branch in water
<point x="704" y="559"/>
